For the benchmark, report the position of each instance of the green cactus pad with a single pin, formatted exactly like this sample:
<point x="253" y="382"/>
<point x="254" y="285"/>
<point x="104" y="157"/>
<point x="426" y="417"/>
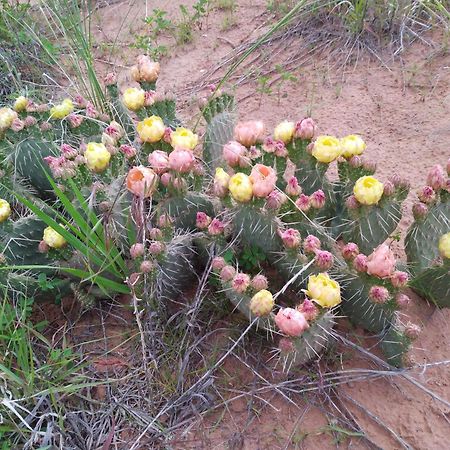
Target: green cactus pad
<point x="434" y="284"/>
<point x="394" y="345"/>
<point x="166" y="109"/>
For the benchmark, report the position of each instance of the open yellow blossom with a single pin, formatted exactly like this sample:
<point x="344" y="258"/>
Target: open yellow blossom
<point x="20" y="104"/>
<point x="262" y="303"/>
<point x="444" y="245"/>
<point x="323" y="290"/>
<point x="368" y="190"/>
<point x="7" y="116"/>
<point x="326" y="149"/>
<point x="241" y="187"/>
<point x="352" y="145"/>
<point x="284" y="131"/>
<point x="53" y="239"/>
<point x="5" y="210"/>
<point x="97" y="157"/>
<point x="134" y="98"/>
<point x="184" y="138"/>
<point x="151" y="129"/>
<point x="62" y="110"/>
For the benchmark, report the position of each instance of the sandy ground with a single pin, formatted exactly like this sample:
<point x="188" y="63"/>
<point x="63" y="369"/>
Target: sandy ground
<point x="402" y="110"/>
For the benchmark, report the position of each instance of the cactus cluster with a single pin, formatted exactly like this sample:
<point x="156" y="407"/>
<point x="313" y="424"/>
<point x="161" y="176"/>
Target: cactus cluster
<point x="161" y="210"/>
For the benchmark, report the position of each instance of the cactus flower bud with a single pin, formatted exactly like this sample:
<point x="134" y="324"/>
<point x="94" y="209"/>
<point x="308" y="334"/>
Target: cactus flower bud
<point x="141" y="181"/>
<point x="286" y="345"/>
<point x="68" y="151"/>
<point x="115" y="130"/>
<point x="146" y="266"/>
<point x="165" y="221"/>
<point x="249" y="133"/>
<point x="110" y="79"/>
<point x="350" y="251"/>
<point x="448" y="167"/>
<point x="155" y="234"/>
<point x="420" y="210"/>
<point x="284" y="132"/>
<point x="352" y="145"/>
<point x="326" y="149"/>
<point x="379" y="294"/>
<point x="305" y="129"/>
<point x="43" y="247"/>
<point x="381" y="262"/>
<point x="166" y="179"/>
<point x="262" y="303"/>
<point x="156" y="248"/>
<point x="159" y="161"/>
<point x="75" y="120"/>
<point x="412" y="330"/>
<point x="293" y="188"/>
<point x="427" y="194"/>
<point x="221" y="182"/>
<point x="240" y="187"/>
<point x="5" y="210"/>
<point x="202" y="220"/>
<point x="324" y="260"/>
<point x="368" y="190"/>
<point x="17" y="125"/>
<point x="227" y="273"/>
<point x="181" y="160"/>
<point x="355" y="161"/>
<point x="351" y="202"/>
<point x="436" y="177"/>
<point x="151" y="129"/>
<point x="150" y="98"/>
<point x="317" y="199"/>
<point x="403" y="301"/>
<point x="235" y="154"/>
<point x="240" y="282"/>
<point x="323" y="290"/>
<point x="399" y="279"/>
<point x="216" y="227"/>
<point x="444" y="245"/>
<point x="389" y="188"/>
<point x="146" y="70"/>
<point x="137" y="250"/>
<point x="360" y="263"/>
<point x="291" y="322"/>
<point x="311" y="244"/>
<point x="275" y="199"/>
<point x="370" y="166"/>
<point x="303" y="203"/>
<point x="309" y="310"/>
<point x="30" y="121"/>
<point x="218" y="263"/>
<point x="263" y="179"/>
<point x="259" y="282"/>
<point x="128" y="151"/>
<point x="53" y="239"/>
<point x="290" y="237"/>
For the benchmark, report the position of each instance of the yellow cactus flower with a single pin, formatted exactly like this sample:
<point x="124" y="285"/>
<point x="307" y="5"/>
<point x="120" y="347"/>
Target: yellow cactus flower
<point x="97" y="157"/>
<point x="444" y="245"/>
<point x="323" y="290"/>
<point x="5" y="210"/>
<point x="7" y="116"/>
<point x="262" y="303"/>
<point x="20" y="104"/>
<point x="53" y="239"/>
<point x="151" y="129"/>
<point x="184" y="138"/>
<point x="241" y="187"/>
<point x="284" y="131"/>
<point x="368" y="190"/>
<point x="326" y="149"/>
<point x="62" y="110"/>
<point x="352" y="145"/>
<point x="134" y="98"/>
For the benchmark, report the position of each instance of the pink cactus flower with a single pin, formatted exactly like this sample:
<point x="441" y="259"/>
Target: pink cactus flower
<point x="303" y="203"/>
<point x="264" y="179"/>
<point x="141" y="181"/>
<point x="249" y="133"/>
<point x="305" y="129"/>
<point x="403" y="301"/>
<point x="379" y="294"/>
<point x="324" y="260"/>
<point x="291" y="322"/>
<point x="311" y="244"/>
<point x="159" y="161"/>
<point x="137" y="250"/>
<point x="240" y="283"/>
<point x="202" y="220"/>
<point x="360" y="263"/>
<point x="227" y="273"/>
<point x="293" y="189"/>
<point x="275" y="199"/>
<point x="218" y="263"/>
<point x="308" y="309"/>
<point x="317" y="199"/>
<point x="259" y="282"/>
<point x="181" y="160"/>
<point x="233" y="153"/>
<point x="349" y="251"/>
<point x="436" y="177"/>
<point x="381" y="262"/>
<point x="216" y="227"/>
<point x="399" y="279"/>
<point x="290" y="237"/>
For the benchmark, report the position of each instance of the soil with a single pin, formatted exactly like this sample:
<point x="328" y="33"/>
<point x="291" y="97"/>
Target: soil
<point x="401" y="107"/>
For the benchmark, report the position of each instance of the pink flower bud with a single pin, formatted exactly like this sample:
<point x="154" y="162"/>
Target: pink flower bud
<point x="349" y="251"/>
<point x="110" y="79"/>
<point x="79" y="160"/>
<point x="202" y="220"/>
<point x="165" y="221"/>
<point x="216" y="227"/>
<point x="399" y="279"/>
<point x="427" y="194"/>
<point x="137" y="250"/>
<point x="412" y="330"/>
<point x="159" y="161"/>
<point x="290" y="237"/>
<point x="42" y="108"/>
<point x="149" y="98"/>
<point x="234" y="154"/>
<point x="317" y="199"/>
<point x="30" y="121"/>
<point x="17" y="125"/>
<point x="309" y="309"/>
<point x="448" y="167"/>
<point x="45" y="126"/>
<point x="280" y="149"/>
<point x="311" y="244"/>
<point x="436" y="177"/>
<point x="420" y="210"/>
<point x="115" y="131"/>
<point x="240" y="283"/>
<point x="275" y="199"/>
<point x="156" y="248"/>
<point x="227" y="273"/>
<point x="128" y="151"/>
<point x="259" y="282"/>
<point x="381" y="262"/>
<point x="293" y="188"/>
<point x="360" y="263"/>
<point x="91" y="112"/>
<point x="396" y="180"/>
<point x="68" y="151"/>
<point x="104" y="118"/>
<point x="351" y="202"/>
<point x="43" y="247"/>
<point x="303" y="203"/>
<point x="181" y="160"/>
<point x="80" y="101"/>
<point x="389" y="188"/>
<point x="146" y="266"/>
<point x="198" y="169"/>
<point x="166" y="179"/>
<point x="218" y="263"/>
<point x="286" y="345"/>
<point x="403" y="301"/>
<point x="155" y="234"/>
<point x="269" y="145"/>
<point x="324" y="260"/>
<point x="167" y="135"/>
<point x="249" y="133"/>
<point x="75" y="120"/>
<point x="305" y="129"/>
<point x="355" y="161"/>
<point x="254" y="152"/>
<point x="370" y="166"/>
<point x="379" y="294"/>
<point x="291" y="322"/>
<point x="133" y="280"/>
